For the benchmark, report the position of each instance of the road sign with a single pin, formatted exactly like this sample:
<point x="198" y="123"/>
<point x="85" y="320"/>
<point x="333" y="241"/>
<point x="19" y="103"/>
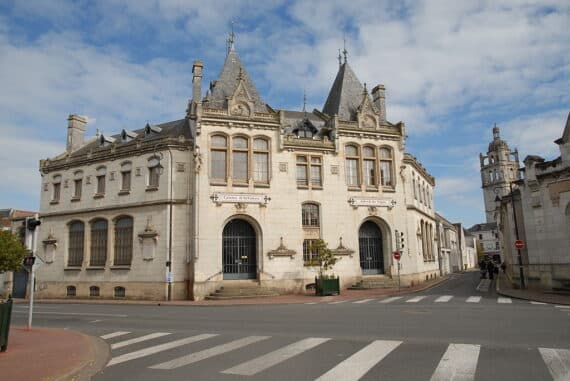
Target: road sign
<point x="519" y="244"/>
<point x="397" y="255"/>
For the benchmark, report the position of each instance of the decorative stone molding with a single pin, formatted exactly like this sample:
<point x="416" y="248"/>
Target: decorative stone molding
<point x="50" y="246"/>
<point x="342" y="250"/>
<point x="148" y="239"/>
<point x="240" y="207"/>
<point x="281" y="251"/>
<point x="242" y="198"/>
<point x="355" y="202"/>
<point x="372" y="210"/>
<point x="197" y="162"/>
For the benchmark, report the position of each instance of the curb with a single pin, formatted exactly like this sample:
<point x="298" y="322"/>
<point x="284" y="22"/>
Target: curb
<point x="99" y="356"/>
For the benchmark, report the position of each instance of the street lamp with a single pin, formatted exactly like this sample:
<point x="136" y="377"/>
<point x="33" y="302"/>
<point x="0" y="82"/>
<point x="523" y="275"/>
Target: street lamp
<point x="519" y="256"/>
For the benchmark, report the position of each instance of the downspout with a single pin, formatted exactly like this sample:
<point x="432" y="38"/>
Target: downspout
<point x="169" y="263"/>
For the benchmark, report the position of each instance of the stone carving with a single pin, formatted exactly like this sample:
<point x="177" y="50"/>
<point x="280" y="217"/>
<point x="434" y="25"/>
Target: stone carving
<point x="281" y="251"/>
<point x="342" y="250"/>
<point x="240" y="207"/>
<point x="368" y="121"/>
<point x="372" y="210"/>
<point x="197" y="162"/>
<point x="240" y="109"/>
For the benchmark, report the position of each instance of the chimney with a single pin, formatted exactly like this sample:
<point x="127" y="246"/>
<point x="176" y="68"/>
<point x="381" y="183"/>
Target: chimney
<point x="197" y="81"/>
<point x="379" y="99"/>
<point x="76" y="126"/>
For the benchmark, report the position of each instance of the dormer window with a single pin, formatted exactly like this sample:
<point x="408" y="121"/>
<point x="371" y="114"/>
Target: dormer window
<point x="104" y="141"/>
<point x="127" y="136"/>
<point x="305" y="129"/>
<point x="150" y="129"/>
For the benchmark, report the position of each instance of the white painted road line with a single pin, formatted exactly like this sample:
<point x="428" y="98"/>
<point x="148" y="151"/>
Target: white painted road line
<point x="363" y="301"/>
<point x="483" y="285"/>
<point x="503" y="300"/>
<point x="444" y="299"/>
<point x="72" y="313"/>
<point x="150" y="336"/>
<point x="563" y="307"/>
<point x="312" y="303"/>
<point x="207" y="353"/>
<point x="354" y="367"/>
<point x="338" y="302"/>
<point x="158" y="348"/>
<point x="258" y="364"/>
<point x="114" y="334"/>
<point x="415" y="299"/>
<point x="473" y="299"/>
<point x="558" y="362"/>
<point x="389" y="300"/>
<point x="458" y="363"/>
<point x="538" y="303"/>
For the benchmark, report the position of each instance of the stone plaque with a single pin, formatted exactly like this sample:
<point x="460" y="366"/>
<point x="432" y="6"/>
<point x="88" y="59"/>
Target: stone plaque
<point x="334" y="169"/>
<point x="372" y="202"/>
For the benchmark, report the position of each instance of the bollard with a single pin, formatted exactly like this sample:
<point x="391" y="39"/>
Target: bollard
<point x="5" y="315"/>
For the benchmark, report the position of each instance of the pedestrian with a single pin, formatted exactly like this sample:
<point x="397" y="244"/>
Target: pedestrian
<point x="483" y="268"/>
<point x="491" y="269"/>
<point x="504" y="267"/>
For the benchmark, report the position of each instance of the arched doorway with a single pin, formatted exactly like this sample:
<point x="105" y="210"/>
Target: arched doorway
<point x="370" y="246"/>
<point x="239" y="250"/>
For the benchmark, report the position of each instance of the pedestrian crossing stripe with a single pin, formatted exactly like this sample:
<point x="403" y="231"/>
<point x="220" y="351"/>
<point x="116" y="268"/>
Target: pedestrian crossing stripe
<point x="473" y="299"/>
<point x="363" y="301"/>
<point x="444" y="299"/>
<point x="139" y="339"/>
<point x="389" y="300"/>
<point x="439" y="299"/>
<point x="459" y="362"/>
<point x="114" y="334"/>
<point x="415" y="299"/>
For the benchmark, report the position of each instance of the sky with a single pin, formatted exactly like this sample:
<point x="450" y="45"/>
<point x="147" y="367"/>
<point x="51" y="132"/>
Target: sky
<point x="451" y="70"/>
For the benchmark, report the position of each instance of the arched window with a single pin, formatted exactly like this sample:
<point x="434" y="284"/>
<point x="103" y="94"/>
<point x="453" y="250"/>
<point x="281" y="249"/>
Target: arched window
<point x="120" y="292"/>
<point x="71" y="291"/>
<point x="351" y="154"/>
<point x="260" y="160"/>
<point x="93" y="291"/>
<point x="98" y="243"/>
<point x="76" y="243"/>
<point x="219" y="158"/>
<point x="310" y="215"/>
<point x="386" y="167"/>
<point x="369" y="166"/>
<point x="123" y="241"/>
<point x="240" y="165"/>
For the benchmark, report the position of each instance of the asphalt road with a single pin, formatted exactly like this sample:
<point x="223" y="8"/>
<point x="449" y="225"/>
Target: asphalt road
<point x="458" y="330"/>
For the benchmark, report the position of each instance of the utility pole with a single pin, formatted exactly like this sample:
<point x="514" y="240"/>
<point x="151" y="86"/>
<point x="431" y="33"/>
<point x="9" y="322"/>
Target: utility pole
<point x="31" y="225"/>
<point x="519" y="256"/>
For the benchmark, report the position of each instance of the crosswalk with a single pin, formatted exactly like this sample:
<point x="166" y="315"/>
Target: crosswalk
<point x="426" y="299"/>
<point x="458" y="361"/>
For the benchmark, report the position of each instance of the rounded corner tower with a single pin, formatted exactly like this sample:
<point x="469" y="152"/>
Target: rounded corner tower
<point x="499" y="168"/>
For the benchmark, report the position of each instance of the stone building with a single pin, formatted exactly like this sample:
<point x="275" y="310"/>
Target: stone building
<point x="449" y="255"/>
<point x="488" y="236"/>
<point x="541" y="201"/>
<point x="235" y="193"/>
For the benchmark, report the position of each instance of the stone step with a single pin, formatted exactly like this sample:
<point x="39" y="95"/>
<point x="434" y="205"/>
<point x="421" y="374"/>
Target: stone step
<point x="245" y="291"/>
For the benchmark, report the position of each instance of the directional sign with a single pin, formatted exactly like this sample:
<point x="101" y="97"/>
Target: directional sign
<point x="519" y="244"/>
<point x="397" y="255"/>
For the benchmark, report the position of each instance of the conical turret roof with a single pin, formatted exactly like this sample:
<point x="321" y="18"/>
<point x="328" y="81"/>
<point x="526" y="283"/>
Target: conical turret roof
<point x="227" y="82"/>
<point x="345" y="95"/>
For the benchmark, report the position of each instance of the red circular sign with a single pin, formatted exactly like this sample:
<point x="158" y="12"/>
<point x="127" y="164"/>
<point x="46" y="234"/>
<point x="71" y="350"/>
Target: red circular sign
<point x="519" y="244"/>
<point x="397" y="255"/>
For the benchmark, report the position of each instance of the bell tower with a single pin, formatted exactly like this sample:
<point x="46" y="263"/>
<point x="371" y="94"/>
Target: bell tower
<point x="499" y="168"/>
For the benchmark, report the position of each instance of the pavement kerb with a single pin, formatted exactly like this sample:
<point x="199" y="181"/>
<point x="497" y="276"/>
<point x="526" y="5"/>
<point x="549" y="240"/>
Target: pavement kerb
<point x="529" y="298"/>
<point x="99" y="356"/>
<point x="232" y="302"/>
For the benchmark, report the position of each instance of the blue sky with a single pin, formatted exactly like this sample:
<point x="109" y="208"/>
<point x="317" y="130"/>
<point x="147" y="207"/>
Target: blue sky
<point x="451" y="70"/>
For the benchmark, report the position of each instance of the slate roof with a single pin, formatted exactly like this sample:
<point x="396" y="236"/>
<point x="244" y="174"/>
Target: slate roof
<point x="483" y="227"/>
<point x="345" y="95"/>
<point x="293" y="120"/>
<point x="227" y="82"/>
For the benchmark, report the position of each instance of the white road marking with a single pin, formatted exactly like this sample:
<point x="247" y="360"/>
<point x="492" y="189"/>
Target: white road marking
<point x="249" y="368"/>
<point x="95" y="321"/>
<point x="114" y="334"/>
<point x="363" y="301"/>
<point x="483" y="286"/>
<point x="444" y="299"/>
<point x="558" y="362"/>
<point x="389" y="300"/>
<point x="73" y="313"/>
<point x="563" y="307"/>
<point x="415" y="299"/>
<point x="207" y="353"/>
<point x="312" y="303"/>
<point x="158" y="348"/>
<point x="150" y="336"/>
<point x="458" y="363"/>
<point x="473" y="299"/>
<point x="503" y="300"/>
<point x="538" y="303"/>
<point x="338" y="302"/>
<point x="354" y="367"/>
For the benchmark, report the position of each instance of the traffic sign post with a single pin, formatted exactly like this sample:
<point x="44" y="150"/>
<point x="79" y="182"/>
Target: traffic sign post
<point x="519" y="244"/>
<point x="397" y="256"/>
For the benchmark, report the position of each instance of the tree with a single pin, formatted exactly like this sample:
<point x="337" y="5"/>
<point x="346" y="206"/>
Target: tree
<point x="325" y="257"/>
<point x="480" y="252"/>
<point x="12" y="252"/>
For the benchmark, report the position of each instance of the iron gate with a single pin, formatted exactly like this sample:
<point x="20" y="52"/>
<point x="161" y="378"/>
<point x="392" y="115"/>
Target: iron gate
<point x="370" y="245"/>
<point x="239" y="251"/>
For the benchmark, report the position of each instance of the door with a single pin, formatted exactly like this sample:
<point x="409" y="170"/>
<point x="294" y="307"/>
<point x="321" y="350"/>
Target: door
<point x="239" y="250"/>
<point x="370" y="245"/>
<point x="20" y="284"/>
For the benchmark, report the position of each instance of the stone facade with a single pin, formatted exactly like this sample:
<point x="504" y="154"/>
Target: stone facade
<point x="489" y="238"/>
<point x="237" y="192"/>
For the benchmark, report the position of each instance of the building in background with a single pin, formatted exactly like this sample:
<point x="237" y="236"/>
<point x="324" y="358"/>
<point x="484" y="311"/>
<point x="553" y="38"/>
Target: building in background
<point x="540" y="202"/>
<point x="488" y="236"/>
<point x="449" y="255"/>
<point x="14" y="283"/>
<point x="236" y="192"/>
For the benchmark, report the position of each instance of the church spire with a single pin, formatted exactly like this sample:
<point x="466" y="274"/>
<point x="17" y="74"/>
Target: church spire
<point x="231" y="39"/>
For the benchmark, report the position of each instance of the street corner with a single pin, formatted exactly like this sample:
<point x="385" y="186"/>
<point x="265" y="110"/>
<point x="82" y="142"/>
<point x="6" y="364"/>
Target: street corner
<point x="58" y="354"/>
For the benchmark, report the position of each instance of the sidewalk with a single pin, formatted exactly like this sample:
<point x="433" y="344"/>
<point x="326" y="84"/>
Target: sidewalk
<point x="504" y="287"/>
<point x="280" y="299"/>
<point x="51" y="354"/>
